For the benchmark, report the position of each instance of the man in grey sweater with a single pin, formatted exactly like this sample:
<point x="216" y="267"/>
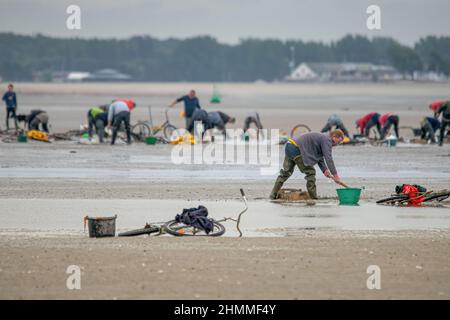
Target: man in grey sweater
<point x="306" y="151"/>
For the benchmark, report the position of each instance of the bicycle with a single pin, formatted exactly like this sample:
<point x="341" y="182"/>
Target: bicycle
<point x="144" y="129"/>
<point x="428" y="196"/>
<point x="179" y="229"/>
<point x="298" y="130"/>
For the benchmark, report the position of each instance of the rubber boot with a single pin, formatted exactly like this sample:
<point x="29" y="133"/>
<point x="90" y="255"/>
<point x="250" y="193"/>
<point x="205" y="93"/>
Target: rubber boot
<point x="312" y="191"/>
<point x="276" y="188"/>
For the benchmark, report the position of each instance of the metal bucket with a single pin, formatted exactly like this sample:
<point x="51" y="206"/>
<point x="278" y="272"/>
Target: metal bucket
<point x="101" y="226"/>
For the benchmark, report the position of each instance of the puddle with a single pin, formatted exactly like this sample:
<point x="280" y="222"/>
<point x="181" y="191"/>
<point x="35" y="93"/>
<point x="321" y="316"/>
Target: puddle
<point x="198" y="172"/>
<point x="65" y="217"/>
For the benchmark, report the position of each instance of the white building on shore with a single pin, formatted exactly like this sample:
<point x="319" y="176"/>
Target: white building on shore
<point x="342" y="72"/>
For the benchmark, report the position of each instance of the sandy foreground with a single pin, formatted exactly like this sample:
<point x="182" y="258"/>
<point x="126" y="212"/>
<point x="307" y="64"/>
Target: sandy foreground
<point x="43" y="182"/>
<point x="327" y="265"/>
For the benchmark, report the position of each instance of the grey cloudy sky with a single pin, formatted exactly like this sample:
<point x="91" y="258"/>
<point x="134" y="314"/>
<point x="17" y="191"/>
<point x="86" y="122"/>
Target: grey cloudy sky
<point x="228" y="20"/>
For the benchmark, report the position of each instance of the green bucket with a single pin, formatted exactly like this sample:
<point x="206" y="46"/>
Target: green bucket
<point x="348" y="196"/>
<point x="22" y="138"/>
<point x="151" y="140"/>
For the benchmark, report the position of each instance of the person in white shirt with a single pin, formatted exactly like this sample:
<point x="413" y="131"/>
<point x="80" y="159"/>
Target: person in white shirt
<point x="119" y="111"/>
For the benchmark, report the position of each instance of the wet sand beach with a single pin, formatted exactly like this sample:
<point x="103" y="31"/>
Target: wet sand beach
<point x="287" y="251"/>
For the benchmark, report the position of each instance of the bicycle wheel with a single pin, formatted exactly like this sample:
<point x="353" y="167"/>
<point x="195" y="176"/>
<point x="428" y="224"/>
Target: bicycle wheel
<point x="437" y="197"/>
<point x="137" y="232"/>
<point x="393" y="199"/>
<point x="299" y="130"/>
<point x="179" y="229"/>
<point x="140" y="131"/>
<point x="168" y="131"/>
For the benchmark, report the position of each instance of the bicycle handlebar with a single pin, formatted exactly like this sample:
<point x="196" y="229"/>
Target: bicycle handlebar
<point x="166" y="110"/>
<point x="238" y="221"/>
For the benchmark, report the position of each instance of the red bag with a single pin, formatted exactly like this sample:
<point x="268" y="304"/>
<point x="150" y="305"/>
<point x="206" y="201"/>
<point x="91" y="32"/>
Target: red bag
<point x="413" y="194"/>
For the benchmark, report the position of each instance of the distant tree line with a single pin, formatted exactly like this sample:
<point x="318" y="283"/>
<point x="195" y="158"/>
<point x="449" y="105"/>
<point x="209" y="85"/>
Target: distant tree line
<point x="204" y="59"/>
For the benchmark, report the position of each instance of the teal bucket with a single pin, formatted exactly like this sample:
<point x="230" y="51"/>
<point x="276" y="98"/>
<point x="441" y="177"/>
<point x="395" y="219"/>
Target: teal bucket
<point x="348" y="196"/>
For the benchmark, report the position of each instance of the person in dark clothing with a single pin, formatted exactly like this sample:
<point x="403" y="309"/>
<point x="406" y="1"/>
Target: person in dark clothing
<point x="34" y="119"/>
<point x="219" y="120"/>
<point x="191" y="103"/>
<point x="367" y="122"/>
<point x="335" y="121"/>
<point x="101" y="122"/>
<point x="428" y="127"/>
<point x="199" y="115"/>
<point x="388" y="120"/>
<point x="98" y="119"/>
<point x="305" y="152"/>
<point x="444" y="112"/>
<point x="254" y="118"/>
<point x="10" y="99"/>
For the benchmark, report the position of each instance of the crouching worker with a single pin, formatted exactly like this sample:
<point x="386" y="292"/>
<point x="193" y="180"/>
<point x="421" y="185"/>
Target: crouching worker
<point x="386" y="121"/>
<point x="253" y="117"/>
<point x="98" y="119"/>
<point x="305" y="152"/>
<point x="367" y="122"/>
<point x="443" y="109"/>
<point x="219" y="120"/>
<point x="428" y="128"/>
<point x="199" y="115"/>
<point x="118" y="112"/>
<point x="335" y="121"/>
<point x="34" y="119"/>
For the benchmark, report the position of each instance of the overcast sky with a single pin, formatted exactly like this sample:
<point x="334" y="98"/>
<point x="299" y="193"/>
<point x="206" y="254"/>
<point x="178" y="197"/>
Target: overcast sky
<point x="228" y="20"/>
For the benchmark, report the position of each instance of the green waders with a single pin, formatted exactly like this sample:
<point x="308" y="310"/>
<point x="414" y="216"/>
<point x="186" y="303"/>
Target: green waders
<point x="287" y="170"/>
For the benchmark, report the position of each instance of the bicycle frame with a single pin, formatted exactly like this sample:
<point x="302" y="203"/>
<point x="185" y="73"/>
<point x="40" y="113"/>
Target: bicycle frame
<point x="155" y="129"/>
<point x="159" y="227"/>
<point x="418" y="196"/>
<point x="150" y="116"/>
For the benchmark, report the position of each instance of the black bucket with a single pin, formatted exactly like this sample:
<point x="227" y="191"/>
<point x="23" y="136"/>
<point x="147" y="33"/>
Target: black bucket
<point x="101" y="226"/>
